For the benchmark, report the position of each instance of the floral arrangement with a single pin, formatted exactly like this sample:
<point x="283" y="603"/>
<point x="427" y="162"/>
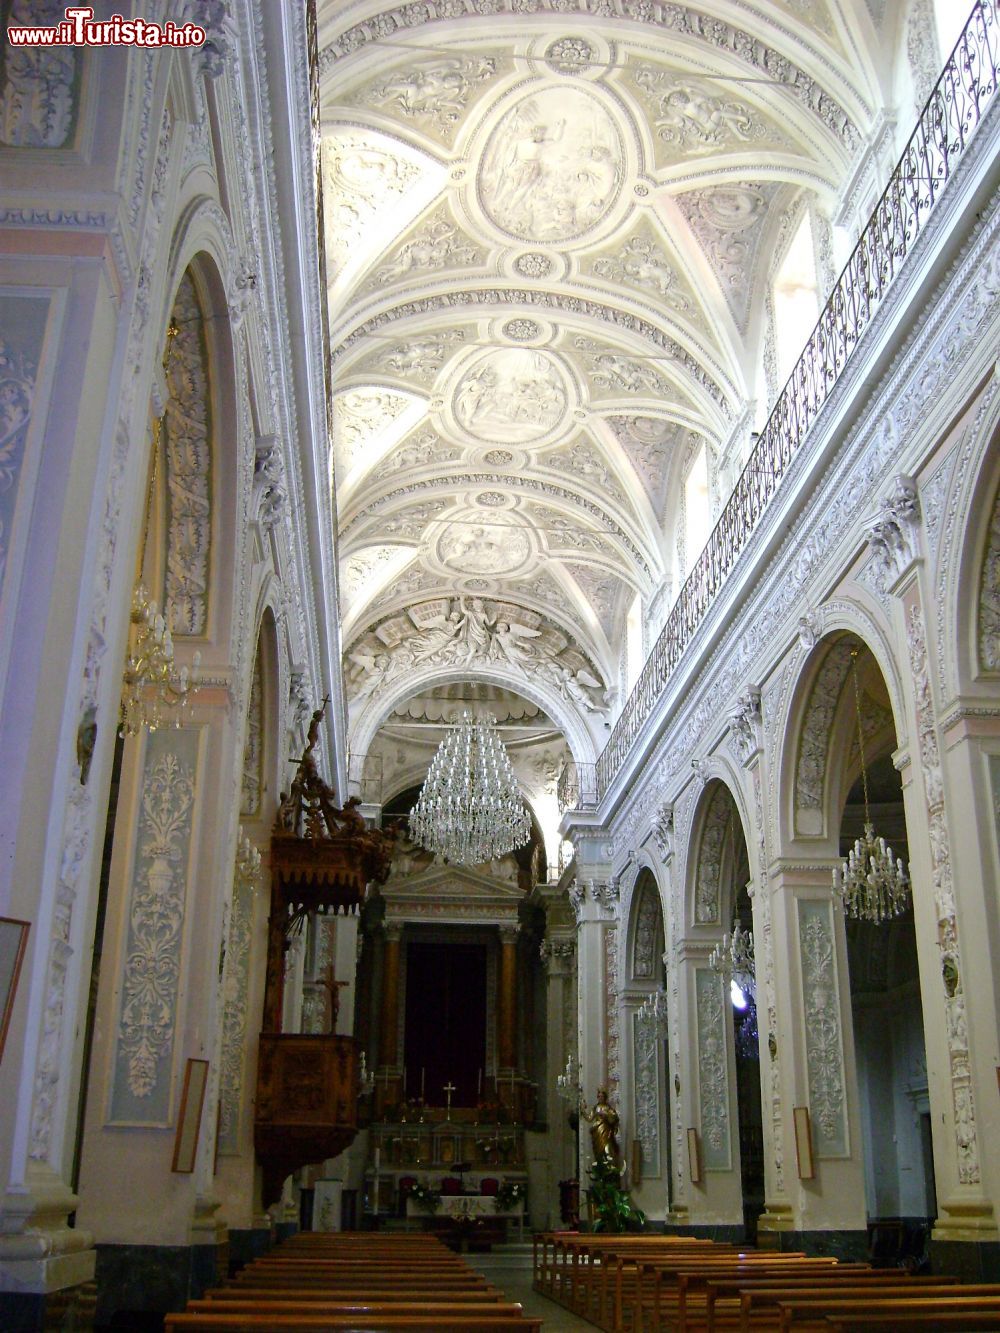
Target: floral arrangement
<point x="510" y="1193"/>
<point x="424" y="1197"/>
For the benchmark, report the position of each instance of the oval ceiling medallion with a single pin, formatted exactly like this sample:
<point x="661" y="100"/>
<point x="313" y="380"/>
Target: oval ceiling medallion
<point x="497" y="547"/>
<point x="515" y="395"/>
<point x="553" y="166"/>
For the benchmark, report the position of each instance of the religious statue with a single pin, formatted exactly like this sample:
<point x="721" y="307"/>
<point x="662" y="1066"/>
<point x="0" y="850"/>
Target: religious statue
<point x="603" y="1120"/>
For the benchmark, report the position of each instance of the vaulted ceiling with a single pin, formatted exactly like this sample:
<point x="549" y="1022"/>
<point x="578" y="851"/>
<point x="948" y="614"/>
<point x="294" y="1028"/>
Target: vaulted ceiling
<point x="551" y="227"/>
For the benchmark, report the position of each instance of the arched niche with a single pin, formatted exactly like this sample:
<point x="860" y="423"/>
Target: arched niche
<point x="199" y="465"/>
<point x="718" y="857"/>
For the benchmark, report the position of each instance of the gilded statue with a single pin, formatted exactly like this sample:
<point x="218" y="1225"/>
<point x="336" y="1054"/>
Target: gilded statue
<point x="603" y="1120"/>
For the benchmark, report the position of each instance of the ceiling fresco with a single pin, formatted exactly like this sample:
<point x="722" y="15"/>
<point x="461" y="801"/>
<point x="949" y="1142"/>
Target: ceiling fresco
<point x="552" y="230"/>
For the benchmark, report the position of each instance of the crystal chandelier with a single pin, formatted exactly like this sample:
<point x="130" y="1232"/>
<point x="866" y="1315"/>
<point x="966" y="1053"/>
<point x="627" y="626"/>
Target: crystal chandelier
<point x="872" y="882"/>
<point x="733" y="957"/>
<point x="154" y="690"/>
<point x="470" y="808"/>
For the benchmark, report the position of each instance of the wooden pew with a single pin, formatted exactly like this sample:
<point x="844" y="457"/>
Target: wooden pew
<point x="248" y="1322"/>
<point x="912" y="1322"/>
<point x="722" y="1307"/>
<point x="811" y="1313"/>
<point x="484" y="1311"/>
<point x="674" y="1295"/>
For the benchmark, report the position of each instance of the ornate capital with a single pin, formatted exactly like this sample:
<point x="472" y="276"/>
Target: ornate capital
<point x="894" y="533"/>
<point x="745" y="723"/>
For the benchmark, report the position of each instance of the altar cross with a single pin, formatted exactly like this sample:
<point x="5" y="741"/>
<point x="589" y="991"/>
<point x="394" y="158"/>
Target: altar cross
<point x="448" y="1089"/>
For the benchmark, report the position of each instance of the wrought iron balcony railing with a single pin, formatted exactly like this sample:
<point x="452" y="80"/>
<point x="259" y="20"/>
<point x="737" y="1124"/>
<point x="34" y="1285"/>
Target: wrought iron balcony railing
<point x="949" y="120"/>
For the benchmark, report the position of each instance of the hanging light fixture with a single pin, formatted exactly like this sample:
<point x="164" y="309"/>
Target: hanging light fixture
<point x="872" y="882"/>
<point x="470" y="808"/>
<point x="733" y="957"/>
<point x="154" y="690"/>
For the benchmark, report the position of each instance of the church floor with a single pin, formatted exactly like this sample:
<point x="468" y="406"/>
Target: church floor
<point x="509" y="1268"/>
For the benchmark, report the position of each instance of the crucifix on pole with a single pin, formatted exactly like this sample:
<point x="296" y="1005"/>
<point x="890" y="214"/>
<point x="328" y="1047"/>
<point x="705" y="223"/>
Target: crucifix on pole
<point x="332" y="988"/>
<point x="448" y="1089"/>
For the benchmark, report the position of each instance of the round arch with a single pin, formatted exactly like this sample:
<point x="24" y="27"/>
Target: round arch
<point x="711" y="847"/>
<point x="364" y="728"/>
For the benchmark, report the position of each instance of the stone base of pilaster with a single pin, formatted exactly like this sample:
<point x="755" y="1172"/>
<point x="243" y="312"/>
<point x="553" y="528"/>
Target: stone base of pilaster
<point x="847" y="1246"/>
<point x="138" y="1284"/>
<point x="247" y="1244"/>
<point x="68" y="1310"/>
<point x="970" y="1260"/>
<point x="284" y="1229"/>
<point x="773" y="1221"/>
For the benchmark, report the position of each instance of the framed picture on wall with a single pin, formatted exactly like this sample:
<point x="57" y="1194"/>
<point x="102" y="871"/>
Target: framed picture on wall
<point x="189" y="1117"/>
<point x="13" y="942"/>
<point x="694" y="1157"/>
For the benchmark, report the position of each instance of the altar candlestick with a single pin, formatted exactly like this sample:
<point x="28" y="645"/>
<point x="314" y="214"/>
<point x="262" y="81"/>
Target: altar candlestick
<point x="404" y="1080"/>
<point x="422" y="1072"/>
<point x="479" y="1085"/>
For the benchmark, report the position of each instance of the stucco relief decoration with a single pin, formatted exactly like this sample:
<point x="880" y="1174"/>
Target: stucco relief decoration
<point x="569" y="55"/>
<point x="963" y="1108"/>
<point x="17" y="391"/>
<point x="432" y="94"/>
<point x="553" y="166"/>
<point x="461" y="632"/>
<point x="612" y="372"/>
<point x="665" y="18"/>
<point x="437" y="244"/>
<point x="269" y="482"/>
<point x="38" y="84"/>
<point x="510" y="396"/>
<point x="253" y="746"/>
<point x="611" y="1010"/>
<point x="420" y="358"/>
<point x="713" y="1071"/>
<point x="640" y="263"/>
<point x="824" y="1049"/>
<point x="709" y="870"/>
<point x="728" y="222"/>
<point x="691" y="118"/>
<point x="501" y="546"/>
<point x="746" y="725"/>
<point x="533" y="265"/>
<point x="988" y="619"/>
<point x="360" y="415"/>
<point x="893" y="535"/>
<point x="663" y="830"/>
<point x="188" y="467"/>
<point x="811" y="767"/>
<point x="425" y="449"/>
<point x="647" y="935"/>
<point x="585" y="462"/>
<point x="360" y="178"/>
<point x="646" y="1062"/>
<point x="651" y="443"/>
<point x="246" y="881"/>
<point x="151" y="975"/>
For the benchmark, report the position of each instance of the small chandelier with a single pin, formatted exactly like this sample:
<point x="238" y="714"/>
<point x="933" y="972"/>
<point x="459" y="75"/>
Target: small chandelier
<point x="654" y="1014"/>
<point x="733" y="957"/>
<point x="154" y="690"/>
<point x="470" y="808"/>
<point x="872" y="882"/>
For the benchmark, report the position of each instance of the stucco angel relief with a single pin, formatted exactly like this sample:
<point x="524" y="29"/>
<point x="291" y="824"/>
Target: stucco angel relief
<point x="463" y="633"/>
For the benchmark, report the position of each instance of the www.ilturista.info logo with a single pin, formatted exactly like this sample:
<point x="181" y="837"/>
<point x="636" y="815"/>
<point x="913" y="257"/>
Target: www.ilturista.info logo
<point x="79" y="28"/>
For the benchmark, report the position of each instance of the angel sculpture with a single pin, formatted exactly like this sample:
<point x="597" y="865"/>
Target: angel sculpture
<point x="511" y="643"/>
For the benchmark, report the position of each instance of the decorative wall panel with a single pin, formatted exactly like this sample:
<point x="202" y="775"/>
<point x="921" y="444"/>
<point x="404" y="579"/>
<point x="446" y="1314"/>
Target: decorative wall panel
<point x="23" y="322"/>
<point x="144" y="1048"/>
<point x="646" y="1047"/>
<point x="39" y="85"/>
<point x="234" y="999"/>
<point x="824" y="1039"/>
<point x="713" y="1071"/>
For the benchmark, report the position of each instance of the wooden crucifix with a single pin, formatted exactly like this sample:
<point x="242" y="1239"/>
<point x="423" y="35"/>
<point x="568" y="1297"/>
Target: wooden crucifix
<point x="332" y="988"/>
